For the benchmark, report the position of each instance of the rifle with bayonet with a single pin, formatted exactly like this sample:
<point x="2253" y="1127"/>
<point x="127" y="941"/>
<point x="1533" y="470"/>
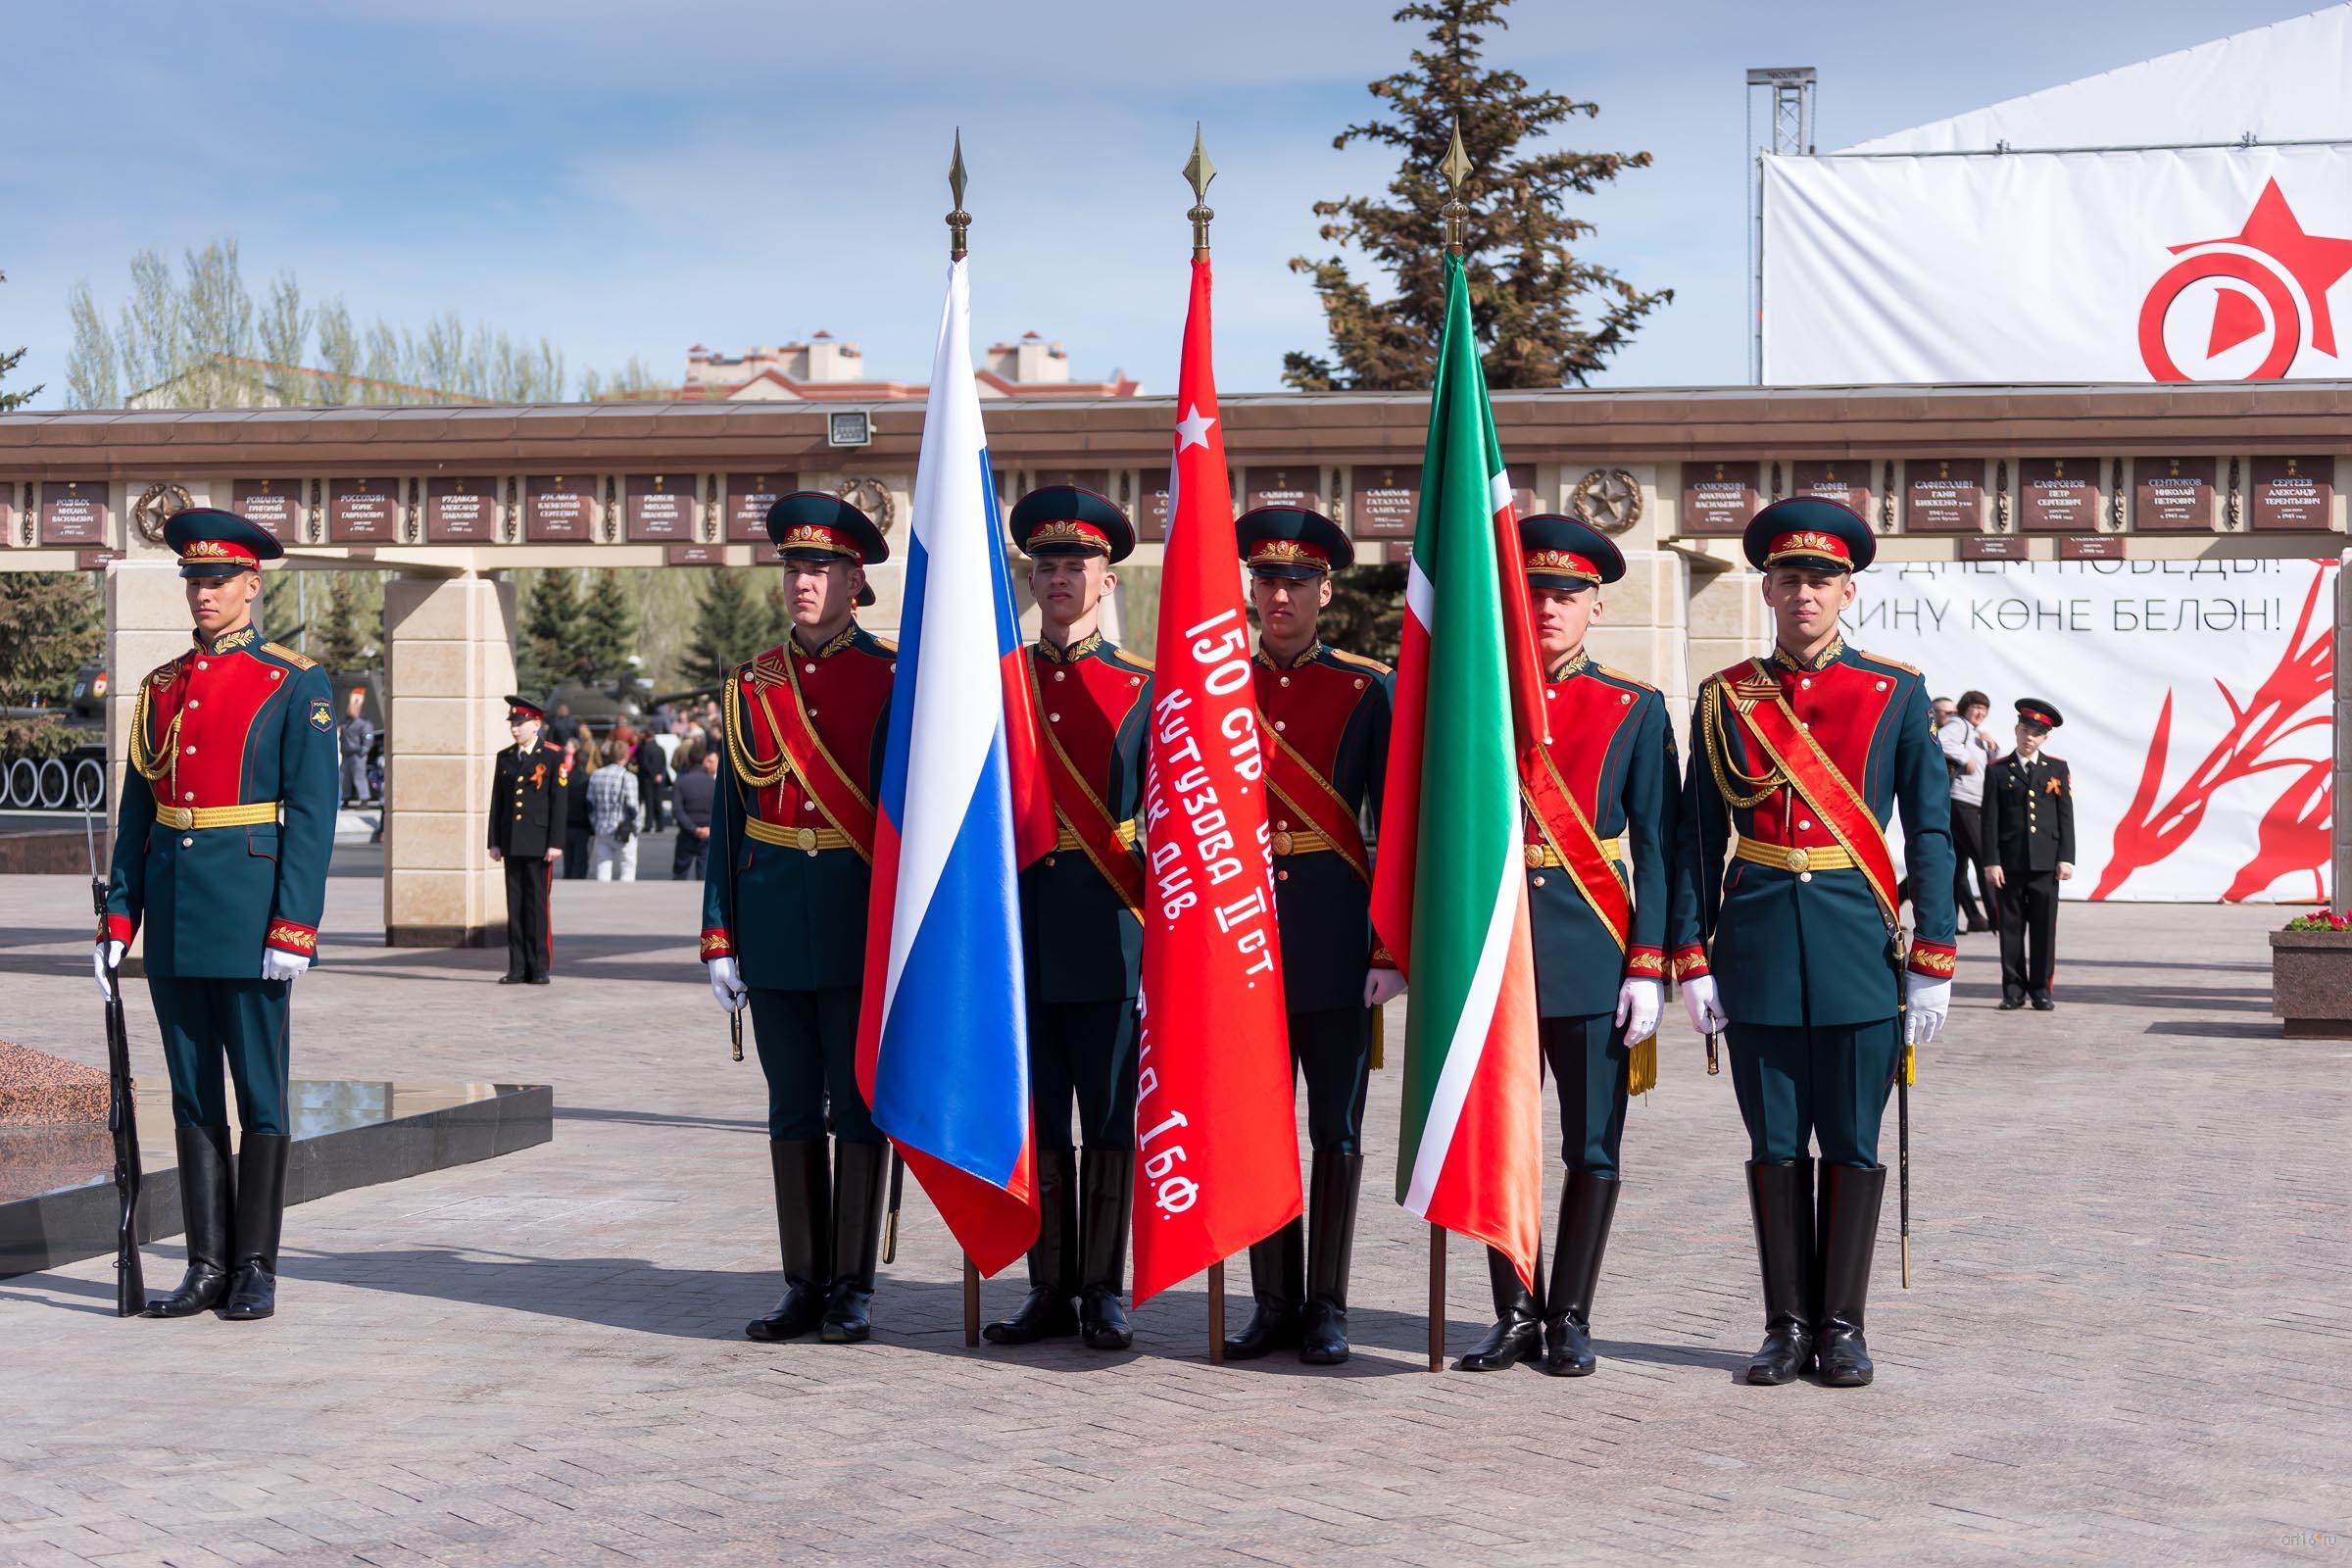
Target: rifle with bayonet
<point x="121" y="1115"/>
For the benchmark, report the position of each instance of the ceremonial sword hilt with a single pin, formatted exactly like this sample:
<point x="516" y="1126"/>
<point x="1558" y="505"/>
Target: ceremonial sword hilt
<point x="735" y="1031"/>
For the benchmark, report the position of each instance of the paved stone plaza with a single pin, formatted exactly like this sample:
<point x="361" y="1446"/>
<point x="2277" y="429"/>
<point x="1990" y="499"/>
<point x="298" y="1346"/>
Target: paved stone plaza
<point x="2127" y="1342"/>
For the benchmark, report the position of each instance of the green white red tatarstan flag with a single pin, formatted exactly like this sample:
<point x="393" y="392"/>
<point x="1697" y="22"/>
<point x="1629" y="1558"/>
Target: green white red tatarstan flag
<point x="1450" y="891"/>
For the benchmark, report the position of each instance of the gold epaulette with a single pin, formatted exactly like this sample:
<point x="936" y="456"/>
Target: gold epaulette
<point x="1882" y="658"/>
<point x="1360" y="660"/>
<point x="884" y="645"/>
<point x="1631" y="680"/>
<point x="298" y="659"/>
<point x="1130" y="658"/>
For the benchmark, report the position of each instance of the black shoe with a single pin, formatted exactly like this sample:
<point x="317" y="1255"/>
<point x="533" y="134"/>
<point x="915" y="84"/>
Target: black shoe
<point x="2012" y="1003"/>
<point x="1105" y="1204"/>
<point x="1850" y="1235"/>
<point x="1780" y="1200"/>
<point x="859" y="1170"/>
<point x="538" y="980"/>
<point x="205" y="1199"/>
<point x="260" y="1212"/>
<point x="1588" y="1205"/>
<point x="1518" y="1331"/>
<point x="1047" y="1312"/>
<point x="1332" y="1190"/>
<point x="803" y="1182"/>
<point x="1278" y="1284"/>
<point x="511" y="980"/>
<point x="2044" y="1004"/>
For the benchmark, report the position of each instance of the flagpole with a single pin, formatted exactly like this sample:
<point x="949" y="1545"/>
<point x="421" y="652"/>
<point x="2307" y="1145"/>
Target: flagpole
<point x="972" y="1303"/>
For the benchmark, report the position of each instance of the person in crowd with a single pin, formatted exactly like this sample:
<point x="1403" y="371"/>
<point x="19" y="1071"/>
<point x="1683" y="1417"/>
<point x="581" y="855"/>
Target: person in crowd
<point x="698" y="781"/>
<point x="2028" y="834"/>
<point x="1969" y="755"/>
<point x="614" y="813"/>
<point x="583" y="757"/>
<point x="356" y="735"/>
<point x="652" y="764"/>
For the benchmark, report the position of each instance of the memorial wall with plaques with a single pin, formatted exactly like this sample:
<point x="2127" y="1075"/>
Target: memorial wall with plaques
<point x="1718" y="498"/>
<point x="75" y="511"/>
<point x="2172" y="495"/>
<point x="460" y="510"/>
<point x="1384" y="501"/>
<point x="559" y="508"/>
<point x="749" y="496"/>
<point x="2059" y="495"/>
<point x="1844" y="480"/>
<point x="1944" y="494"/>
<point x="1285" y="485"/>
<point x="661" y="507"/>
<point x="2293" y="493"/>
<point x="362" y="511"/>
<point x="273" y="505"/>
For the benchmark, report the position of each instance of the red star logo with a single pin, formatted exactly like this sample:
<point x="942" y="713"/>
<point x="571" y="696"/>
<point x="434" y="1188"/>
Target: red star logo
<point x="2315" y="262"/>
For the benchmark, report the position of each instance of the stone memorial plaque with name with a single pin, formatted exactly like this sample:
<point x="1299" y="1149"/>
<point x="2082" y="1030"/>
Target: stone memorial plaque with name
<point x="1383" y="502"/>
<point x="1993" y="547"/>
<point x="1298" y="484"/>
<point x="749" y="496"/>
<point x="2172" y="495"/>
<point x="559" y="507"/>
<point x="363" y="510"/>
<point x="273" y="505"/>
<point x="1944" y="494"/>
<point x="1718" y="498"/>
<point x="1844" y="480"/>
<point x="1152" y="504"/>
<point x="1095" y="479"/>
<point x="2293" y="491"/>
<point x="661" y="506"/>
<point x="73" y="512"/>
<point x="2092" y="547"/>
<point x="695" y="555"/>
<point x="460" y="510"/>
<point x="2058" y="495"/>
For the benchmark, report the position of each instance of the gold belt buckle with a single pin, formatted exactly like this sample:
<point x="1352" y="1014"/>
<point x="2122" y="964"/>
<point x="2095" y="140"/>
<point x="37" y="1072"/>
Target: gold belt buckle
<point x="807" y="839"/>
<point x="1535" y="856"/>
<point x="1799" y="861"/>
<point x="1282" y="843"/>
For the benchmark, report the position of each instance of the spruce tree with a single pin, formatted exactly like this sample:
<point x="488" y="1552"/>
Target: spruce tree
<point x="346" y="641"/>
<point x="551" y="621"/>
<point x="50" y="626"/>
<point x="1530" y="287"/>
<point x="11" y="401"/>
<point x="607" y="629"/>
<point x="734" y="624"/>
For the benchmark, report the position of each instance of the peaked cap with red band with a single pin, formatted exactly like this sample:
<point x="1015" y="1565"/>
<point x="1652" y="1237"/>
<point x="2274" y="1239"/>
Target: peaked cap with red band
<point x="1811" y="532"/>
<point x="1068" y="519"/>
<point x="2034" y="711"/>
<point x="1292" y="542"/>
<point x="211" y="542"/>
<point x="1564" y="552"/>
<point x="813" y="525"/>
<point x="519" y="708"/>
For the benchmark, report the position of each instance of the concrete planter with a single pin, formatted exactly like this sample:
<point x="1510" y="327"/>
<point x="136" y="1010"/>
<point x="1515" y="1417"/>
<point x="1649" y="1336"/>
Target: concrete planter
<point x="2311" y="983"/>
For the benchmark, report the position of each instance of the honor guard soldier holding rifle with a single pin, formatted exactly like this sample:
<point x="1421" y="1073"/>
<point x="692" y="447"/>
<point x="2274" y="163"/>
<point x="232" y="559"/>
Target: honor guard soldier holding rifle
<point x="1608" y="777"/>
<point x="528" y="798"/>
<point x="2030" y="848"/>
<point x="1326" y="716"/>
<point x="220" y="850"/>
<point x="1807" y="753"/>
<point x="1082" y="932"/>
<point x="784" y="905"/>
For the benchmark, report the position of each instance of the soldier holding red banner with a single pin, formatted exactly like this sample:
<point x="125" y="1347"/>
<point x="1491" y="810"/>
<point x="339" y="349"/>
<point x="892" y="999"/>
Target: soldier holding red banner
<point x="784" y="906"/>
<point x="1326" y="731"/>
<point x="1607" y="777"/>
<point x="1082" y="925"/>
<point x="1808" y="753"/>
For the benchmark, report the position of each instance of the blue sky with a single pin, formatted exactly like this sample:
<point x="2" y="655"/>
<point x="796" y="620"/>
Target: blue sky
<point x="634" y="180"/>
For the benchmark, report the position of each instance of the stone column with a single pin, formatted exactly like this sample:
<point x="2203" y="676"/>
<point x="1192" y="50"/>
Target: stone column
<point x="449" y="662"/>
<point x="2340" y="829"/>
<point x="146" y="626"/>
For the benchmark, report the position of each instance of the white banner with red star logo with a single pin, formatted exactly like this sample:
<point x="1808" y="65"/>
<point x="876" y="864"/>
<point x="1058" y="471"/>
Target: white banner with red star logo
<point x="2175" y="265"/>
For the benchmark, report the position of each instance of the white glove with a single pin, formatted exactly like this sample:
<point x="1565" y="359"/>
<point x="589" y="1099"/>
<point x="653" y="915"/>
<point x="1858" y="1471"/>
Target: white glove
<point x="106" y="956"/>
<point x="727" y="985"/>
<point x="1382" y="986"/>
<point x="279" y="964"/>
<point x="1639" y="1003"/>
<point x="1704" y="1007"/>
<point x="1926" y="1003"/>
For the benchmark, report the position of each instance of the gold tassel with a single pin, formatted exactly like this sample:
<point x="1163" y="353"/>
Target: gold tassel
<point x="1910" y="1065"/>
<point x="1641" y="1071"/>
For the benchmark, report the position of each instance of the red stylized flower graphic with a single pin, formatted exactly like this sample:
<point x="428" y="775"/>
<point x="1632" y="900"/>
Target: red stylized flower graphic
<point x="2293" y="835"/>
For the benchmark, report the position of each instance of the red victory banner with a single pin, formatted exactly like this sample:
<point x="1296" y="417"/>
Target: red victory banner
<point x="1214" y="1135"/>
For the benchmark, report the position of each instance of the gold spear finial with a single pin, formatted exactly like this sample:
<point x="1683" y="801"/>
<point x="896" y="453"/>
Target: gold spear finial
<point x="958" y="220"/>
<point x="1456" y="211"/>
<point x="1198" y="171"/>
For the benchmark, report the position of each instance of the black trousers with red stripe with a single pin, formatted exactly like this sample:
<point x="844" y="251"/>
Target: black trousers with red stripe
<point x="530" y="933"/>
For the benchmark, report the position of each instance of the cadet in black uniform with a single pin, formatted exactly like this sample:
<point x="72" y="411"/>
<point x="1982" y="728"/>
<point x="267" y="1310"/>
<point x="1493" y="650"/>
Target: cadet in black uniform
<point x="529" y="798"/>
<point x="2030" y="841"/>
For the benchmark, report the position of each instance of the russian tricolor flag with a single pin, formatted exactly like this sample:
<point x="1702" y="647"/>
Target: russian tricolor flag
<point x="943" y="1040"/>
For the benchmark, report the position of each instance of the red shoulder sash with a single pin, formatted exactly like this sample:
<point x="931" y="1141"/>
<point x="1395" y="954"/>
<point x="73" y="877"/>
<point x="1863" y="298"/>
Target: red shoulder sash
<point x="841" y="803"/>
<point x="1079" y="809"/>
<point x="1569" y="832"/>
<point x="1772" y="728"/>
<point x="1308" y="795"/>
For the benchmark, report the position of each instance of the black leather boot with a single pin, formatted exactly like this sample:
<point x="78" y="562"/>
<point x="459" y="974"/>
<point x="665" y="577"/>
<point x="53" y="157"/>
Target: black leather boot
<point x="1588" y="1204"/>
<point x="260" y="1212"/>
<point x="1780" y="1198"/>
<point x="804" y="1179"/>
<point x="1047" y="1312"/>
<point x="1105" y="1205"/>
<point x="205" y="1199"/>
<point x="1850" y="1235"/>
<point x="1278" y="1285"/>
<point x="859" y="1170"/>
<point x="1330" y="1244"/>
<point x="1518" y="1328"/>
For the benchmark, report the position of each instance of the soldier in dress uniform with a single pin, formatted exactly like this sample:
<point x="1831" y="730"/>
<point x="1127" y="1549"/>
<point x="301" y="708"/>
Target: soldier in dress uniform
<point x="1082" y="932"/>
<point x="220" y="849"/>
<point x="1608" y="776"/>
<point x="1327" y="714"/>
<point x="2029" y="842"/>
<point x="784" y="905"/>
<point x="529" y="802"/>
<point x="1806" y="754"/>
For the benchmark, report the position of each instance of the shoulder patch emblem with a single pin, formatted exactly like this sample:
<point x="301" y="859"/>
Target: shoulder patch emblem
<point x="299" y="660"/>
<point x="322" y="716"/>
